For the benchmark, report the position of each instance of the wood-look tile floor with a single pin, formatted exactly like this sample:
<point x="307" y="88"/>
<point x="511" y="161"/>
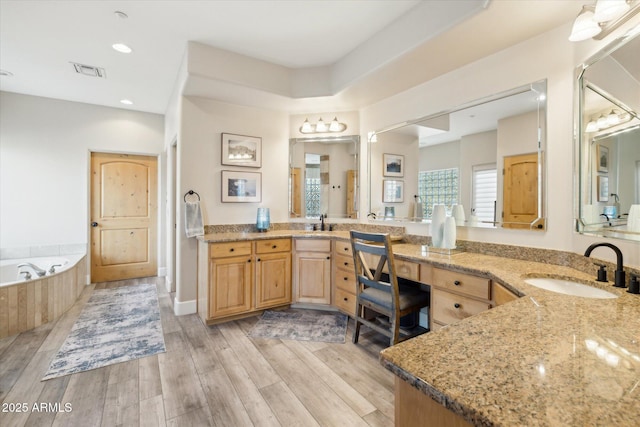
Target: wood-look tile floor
<point x="209" y="376"/>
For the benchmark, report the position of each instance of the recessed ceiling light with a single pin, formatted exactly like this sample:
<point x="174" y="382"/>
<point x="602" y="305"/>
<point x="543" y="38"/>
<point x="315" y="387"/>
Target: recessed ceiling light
<point x="6" y="73"/>
<point x="121" y="47"/>
<point x="126" y="102"/>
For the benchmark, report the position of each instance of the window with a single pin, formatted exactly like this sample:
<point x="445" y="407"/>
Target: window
<point x="437" y="187"/>
<point x="484" y="191"/>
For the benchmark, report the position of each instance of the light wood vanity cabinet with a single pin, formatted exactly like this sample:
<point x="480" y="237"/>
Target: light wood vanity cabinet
<point x="456" y="296"/>
<point x="273" y="272"/>
<point x="236" y="278"/>
<point x="344" y="278"/>
<point x="312" y="271"/>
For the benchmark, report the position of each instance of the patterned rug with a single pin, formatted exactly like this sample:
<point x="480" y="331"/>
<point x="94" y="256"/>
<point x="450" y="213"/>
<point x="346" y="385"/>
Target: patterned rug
<point x="116" y="325"/>
<point x="302" y="325"/>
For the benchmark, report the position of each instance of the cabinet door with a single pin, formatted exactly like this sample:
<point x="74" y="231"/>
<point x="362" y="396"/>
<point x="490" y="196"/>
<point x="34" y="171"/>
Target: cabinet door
<point x="230" y="281"/>
<point x="273" y="279"/>
<point x="313" y="277"/>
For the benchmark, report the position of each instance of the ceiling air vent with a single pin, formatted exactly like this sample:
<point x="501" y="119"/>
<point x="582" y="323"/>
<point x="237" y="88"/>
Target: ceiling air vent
<point x="89" y="70"/>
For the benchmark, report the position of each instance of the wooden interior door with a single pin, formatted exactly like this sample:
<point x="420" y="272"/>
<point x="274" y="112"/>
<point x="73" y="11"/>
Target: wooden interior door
<point x="296" y="193"/>
<point x="520" y="191"/>
<point x="123" y="216"/>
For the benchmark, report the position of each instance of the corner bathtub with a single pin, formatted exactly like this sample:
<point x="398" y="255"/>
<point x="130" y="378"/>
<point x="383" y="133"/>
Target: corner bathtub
<point x="25" y="304"/>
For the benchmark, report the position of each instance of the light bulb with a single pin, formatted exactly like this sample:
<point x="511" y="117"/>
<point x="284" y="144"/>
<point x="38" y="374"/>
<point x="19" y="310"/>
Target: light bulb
<point x="321" y="126"/>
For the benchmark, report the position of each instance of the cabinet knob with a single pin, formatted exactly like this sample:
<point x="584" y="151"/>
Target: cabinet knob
<point x="328" y="257"/>
<point x="346" y="263"/>
<point x="346" y="249"/>
<point x="231" y="250"/>
<point x="456" y="282"/>
<point x="345" y="278"/>
<point x="249" y="260"/>
<point x="274" y="246"/>
<point x="456" y="305"/>
<point x="346" y="299"/>
<point x="258" y="260"/>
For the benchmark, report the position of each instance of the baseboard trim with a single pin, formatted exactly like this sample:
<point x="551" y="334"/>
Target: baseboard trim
<point x="162" y="271"/>
<point x="181" y="308"/>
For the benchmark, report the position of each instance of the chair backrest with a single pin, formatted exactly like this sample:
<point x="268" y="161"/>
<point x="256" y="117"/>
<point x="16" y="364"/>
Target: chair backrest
<point x="377" y="244"/>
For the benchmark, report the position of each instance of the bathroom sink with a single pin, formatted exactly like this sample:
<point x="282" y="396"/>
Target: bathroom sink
<point x="569" y="287"/>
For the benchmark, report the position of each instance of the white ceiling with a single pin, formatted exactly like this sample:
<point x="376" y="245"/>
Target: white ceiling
<point x="39" y="39"/>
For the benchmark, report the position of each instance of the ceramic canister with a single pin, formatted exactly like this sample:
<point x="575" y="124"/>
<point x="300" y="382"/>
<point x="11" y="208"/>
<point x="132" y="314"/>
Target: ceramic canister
<point x="449" y="233"/>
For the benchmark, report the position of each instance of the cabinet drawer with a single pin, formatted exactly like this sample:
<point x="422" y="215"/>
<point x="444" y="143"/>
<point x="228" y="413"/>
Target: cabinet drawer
<point x="345" y="302"/>
<point x="405" y="269"/>
<point x="344" y="248"/>
<point x="449" y="308"/>
<point x="273" y="245"/>
<point x="479" y="287"/>
<point x="222" y="250"/>
<point x="313" y="245"/>
<point x="344" y="262"/>
<point x="345" y="280"/>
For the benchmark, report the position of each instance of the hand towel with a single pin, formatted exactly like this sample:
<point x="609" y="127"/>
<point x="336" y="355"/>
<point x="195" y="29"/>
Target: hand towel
<point x="193" y="219"/>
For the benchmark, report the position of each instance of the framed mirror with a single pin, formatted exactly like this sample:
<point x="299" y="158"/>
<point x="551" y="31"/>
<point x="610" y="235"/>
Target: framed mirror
<point x="607" y="129"/>
<point x="323" y="177"/>
<point x="457" y="158"/>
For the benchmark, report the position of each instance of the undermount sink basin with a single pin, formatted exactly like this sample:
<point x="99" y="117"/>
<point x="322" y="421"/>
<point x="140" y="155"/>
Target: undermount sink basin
<point x="569" y="287"/>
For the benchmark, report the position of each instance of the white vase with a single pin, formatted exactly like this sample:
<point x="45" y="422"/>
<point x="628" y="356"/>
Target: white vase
<point x="457" y="211"/>
<point x="449" y="233"/>
<point x="438" y="217"/>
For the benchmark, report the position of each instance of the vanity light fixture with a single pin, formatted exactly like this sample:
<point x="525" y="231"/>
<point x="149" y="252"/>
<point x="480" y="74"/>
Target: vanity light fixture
<point x="599" y="20"/>
<point x="321" y="126"/>
<point x="614" y="118"/>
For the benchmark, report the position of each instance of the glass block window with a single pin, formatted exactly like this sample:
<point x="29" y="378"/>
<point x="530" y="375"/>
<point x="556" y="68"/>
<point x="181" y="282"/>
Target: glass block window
<point x="438" y="187"/>
<point x="312" y="197"/>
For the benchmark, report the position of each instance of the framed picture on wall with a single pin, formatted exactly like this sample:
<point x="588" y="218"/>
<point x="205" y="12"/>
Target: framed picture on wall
<point x="603" y="188"/>
<point x="241" y="150"/>
<point x="240" y="186"/>
<point x="602" y="153"/>
<point x="393" y="165"/>
<point x="392" y="191"/>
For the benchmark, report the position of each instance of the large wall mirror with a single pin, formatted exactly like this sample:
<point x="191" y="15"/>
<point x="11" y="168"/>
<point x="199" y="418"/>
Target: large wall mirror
<point x="324" y="177"/>
<point x="457" y="158"/>
<point x="608" y="141"/>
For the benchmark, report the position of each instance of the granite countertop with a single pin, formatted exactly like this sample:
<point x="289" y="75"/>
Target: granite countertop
<point x="275" y="234"/>
<point x="545" y="359"/>
<point x="272" y="234"/>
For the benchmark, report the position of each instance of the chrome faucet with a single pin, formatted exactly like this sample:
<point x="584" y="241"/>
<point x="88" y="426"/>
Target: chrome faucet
<point x="40" y="272"/>
<point x="620" y="279"/>
<point x="322" y="222"/>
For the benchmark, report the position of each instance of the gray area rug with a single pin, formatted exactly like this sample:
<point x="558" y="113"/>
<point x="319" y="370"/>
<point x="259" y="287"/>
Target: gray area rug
<point x="116" y="325"/>
<point x="302" y="325"/>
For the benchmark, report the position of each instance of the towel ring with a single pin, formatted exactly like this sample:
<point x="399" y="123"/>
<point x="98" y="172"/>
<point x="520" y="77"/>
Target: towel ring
<point x="190" y="193"/>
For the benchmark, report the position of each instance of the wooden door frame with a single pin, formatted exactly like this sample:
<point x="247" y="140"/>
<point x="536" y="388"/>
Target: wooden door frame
<point x="160" y="203"/>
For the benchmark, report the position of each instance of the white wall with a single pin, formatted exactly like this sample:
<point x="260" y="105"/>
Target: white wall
<point x="45" y="148"/>
<point x="549" y="56"/>
<point x="199" y="169"/>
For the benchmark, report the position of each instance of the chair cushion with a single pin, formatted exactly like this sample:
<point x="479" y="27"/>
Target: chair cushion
<point x="407" y="299"/>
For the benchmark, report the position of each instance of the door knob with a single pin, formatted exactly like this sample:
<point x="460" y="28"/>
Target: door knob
<point x="94" y="224"/>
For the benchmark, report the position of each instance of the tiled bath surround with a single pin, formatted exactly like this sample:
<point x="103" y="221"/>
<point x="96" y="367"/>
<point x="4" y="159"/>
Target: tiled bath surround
<point x="43" y="251"/>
